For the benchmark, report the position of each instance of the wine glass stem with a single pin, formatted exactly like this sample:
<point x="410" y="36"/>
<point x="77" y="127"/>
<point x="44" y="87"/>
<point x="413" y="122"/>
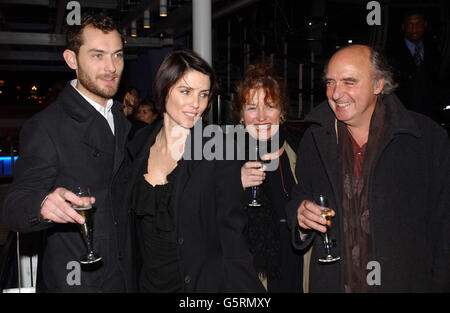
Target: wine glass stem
<point x="89" y="246"/>
<point x="87" y="237"/>
<point x="254" y="192"/>
<point x="327" y="243"/>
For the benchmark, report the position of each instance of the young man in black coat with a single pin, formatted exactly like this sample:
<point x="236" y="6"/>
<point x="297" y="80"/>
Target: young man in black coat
<point x="79" y="140"/>
<point x="385" y="171"/>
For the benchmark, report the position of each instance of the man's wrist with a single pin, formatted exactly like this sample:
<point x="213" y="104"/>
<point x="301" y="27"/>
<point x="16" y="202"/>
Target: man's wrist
<point x="44" y="220"/>
<point x="42" y="203"/>
<point x="303" y="233"/>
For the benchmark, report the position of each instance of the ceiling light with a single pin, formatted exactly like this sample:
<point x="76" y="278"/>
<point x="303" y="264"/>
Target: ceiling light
<point x="133" y="29"/>
<point x="163" y="8"/>
<point x="147" y="18"/>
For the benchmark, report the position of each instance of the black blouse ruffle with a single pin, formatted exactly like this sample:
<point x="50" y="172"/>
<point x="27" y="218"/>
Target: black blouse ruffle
<point x="155" y="221"/>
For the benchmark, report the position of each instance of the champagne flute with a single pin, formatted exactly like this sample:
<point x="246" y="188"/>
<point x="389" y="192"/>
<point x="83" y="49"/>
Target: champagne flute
<point x="327" y="214"/>
<point x="87" y="229"/>
<point x="255" y="189"/>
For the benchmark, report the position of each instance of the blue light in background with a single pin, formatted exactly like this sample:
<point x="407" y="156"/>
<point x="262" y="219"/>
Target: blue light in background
<point x="5" y="165"/>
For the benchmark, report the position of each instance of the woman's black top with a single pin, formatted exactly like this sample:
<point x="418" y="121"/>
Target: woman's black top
<point x="280" y="183"/>
<point x="269" y="235"/>
<point x="156" y="235"/>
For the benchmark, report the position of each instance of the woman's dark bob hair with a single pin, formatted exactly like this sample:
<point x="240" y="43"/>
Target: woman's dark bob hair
<point x="172" y="68"/>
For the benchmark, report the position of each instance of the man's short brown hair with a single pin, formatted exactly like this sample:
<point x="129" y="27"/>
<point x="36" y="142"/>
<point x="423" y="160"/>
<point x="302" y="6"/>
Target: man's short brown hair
<point x="96" y="20"/>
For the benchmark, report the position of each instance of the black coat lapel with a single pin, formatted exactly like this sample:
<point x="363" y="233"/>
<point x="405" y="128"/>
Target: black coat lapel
<point x="188" y="163"/>
<point x="324" y="135"/>
<point x="97" y="133"/>
<point x="143" y="140"/>
<point x="184" y="173"/>
<point x="325" y="140"/>
<point x="139" y="147"/>
<point x="122" y="127"/>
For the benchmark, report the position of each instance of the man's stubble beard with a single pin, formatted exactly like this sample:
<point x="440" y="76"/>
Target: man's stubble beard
<point x="88" y="84"/>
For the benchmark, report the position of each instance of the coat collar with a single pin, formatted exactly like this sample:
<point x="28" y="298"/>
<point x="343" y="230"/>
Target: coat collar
<point x="122" y="128"/>
<point x="143" y="140"/>
<point x="97" y="133"/>
<point x="400" y="119"/>
<point x="77" y="107"/>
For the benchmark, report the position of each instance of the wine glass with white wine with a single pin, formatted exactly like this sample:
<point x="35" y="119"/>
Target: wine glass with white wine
<point x="255" y="189"/>
<point x="87" y="229"/>
<point x="327" y="214"/>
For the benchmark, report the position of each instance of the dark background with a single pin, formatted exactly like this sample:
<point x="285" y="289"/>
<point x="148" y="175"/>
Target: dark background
<point x="291" y="34"/>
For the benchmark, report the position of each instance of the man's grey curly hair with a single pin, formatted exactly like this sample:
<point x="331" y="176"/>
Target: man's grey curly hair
<point x="382" y="70"/>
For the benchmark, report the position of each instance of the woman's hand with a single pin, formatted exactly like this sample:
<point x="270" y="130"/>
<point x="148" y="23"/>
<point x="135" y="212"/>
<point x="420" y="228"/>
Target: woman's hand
<point x="252" y="174"/>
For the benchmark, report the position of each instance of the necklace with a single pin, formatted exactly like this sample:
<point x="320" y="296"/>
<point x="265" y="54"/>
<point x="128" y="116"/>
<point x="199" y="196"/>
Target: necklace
<point x="282" y="177"/>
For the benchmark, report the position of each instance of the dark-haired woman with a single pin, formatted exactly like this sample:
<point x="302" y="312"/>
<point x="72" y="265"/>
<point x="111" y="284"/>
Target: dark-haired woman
<point x="188" y="217"/>
<point x="260" y="105"/>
